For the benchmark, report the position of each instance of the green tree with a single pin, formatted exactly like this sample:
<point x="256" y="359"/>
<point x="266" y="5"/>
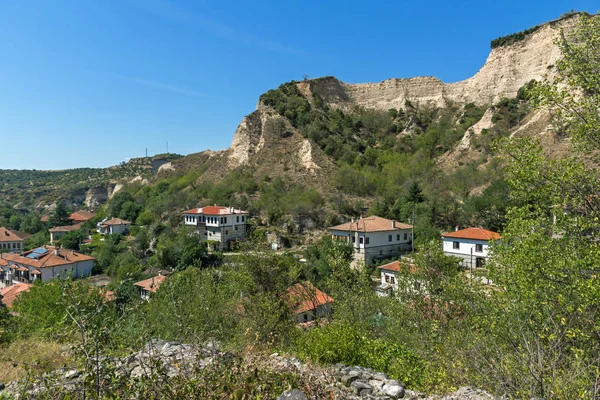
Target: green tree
<point x="60" y="215"/>
<point x="545" y="323"/>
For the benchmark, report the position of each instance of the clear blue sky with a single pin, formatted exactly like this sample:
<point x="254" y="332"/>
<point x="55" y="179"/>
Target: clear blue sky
<point x="94" y="82"/>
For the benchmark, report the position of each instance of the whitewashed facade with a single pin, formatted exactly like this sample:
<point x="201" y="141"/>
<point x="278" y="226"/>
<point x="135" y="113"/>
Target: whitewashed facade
<point x="375" y="238"/>
<point x="44" y="264"/>
<point x="218" y="224"/>
<point x="471" y="245"/>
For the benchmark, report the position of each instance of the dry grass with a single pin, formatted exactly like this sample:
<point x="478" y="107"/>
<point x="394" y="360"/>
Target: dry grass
<point x="36" y="354"/>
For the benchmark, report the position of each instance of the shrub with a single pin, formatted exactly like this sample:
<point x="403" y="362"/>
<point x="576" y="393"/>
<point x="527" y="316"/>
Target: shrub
<point x="340" y="342"/>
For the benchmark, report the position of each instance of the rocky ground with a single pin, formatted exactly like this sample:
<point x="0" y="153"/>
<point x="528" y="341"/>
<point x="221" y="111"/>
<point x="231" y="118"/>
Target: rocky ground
<point x="177" y="359"/>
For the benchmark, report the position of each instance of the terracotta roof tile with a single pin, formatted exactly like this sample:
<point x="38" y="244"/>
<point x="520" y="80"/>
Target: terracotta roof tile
<point x="9" y="236"/>
<point x="215" y="210"/>
<point x="9" y="294"/>
<point x="49" y="259"/>
<point x="81" y="216"/>
<point x="68" y="228"/>
<point x="304" y="297"/>
<point x="371" y="224"/>
<point x="473" y="233"/>
<point x="151" y="284"/>
<point x="115" y="221"/>
<point x="397" y="266"/>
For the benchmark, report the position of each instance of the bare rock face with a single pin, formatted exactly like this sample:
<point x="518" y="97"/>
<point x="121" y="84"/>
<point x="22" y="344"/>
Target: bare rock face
<point x="267" y="142"/>
<point x="96" y="196"/>
<point x="506" y="70"/>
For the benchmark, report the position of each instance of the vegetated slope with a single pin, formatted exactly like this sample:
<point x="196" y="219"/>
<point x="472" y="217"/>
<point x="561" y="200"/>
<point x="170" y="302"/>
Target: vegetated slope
<point x="304" y="131"/>
<point x="38" y="189"/>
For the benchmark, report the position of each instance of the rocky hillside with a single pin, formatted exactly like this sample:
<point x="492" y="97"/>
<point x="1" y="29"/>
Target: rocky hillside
<point x="89" y="187"/>
<point x="171" y="366"/>
<point x="270" y="143"/>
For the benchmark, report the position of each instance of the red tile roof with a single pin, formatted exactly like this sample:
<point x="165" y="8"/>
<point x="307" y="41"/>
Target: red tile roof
<point x="303" y="297"/>
<point x="371" y="224"/>
<point x="49" y="259"/>
<point x="115" y="221"/>
<point x="81" y="216"/>
<point x="10" y="236"/>
<point x="9" y="294"/>
<point x="45" y="218"/>
<point x="215" y="210"/>
<point x="397" y="266"/>
<point x="473" y="233"/>
<point x="151" y="284"/>
<point x="68" y="228"/>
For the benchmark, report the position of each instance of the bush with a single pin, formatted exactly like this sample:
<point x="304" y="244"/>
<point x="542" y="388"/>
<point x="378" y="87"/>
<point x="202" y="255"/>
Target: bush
<point x="344" y="343"/>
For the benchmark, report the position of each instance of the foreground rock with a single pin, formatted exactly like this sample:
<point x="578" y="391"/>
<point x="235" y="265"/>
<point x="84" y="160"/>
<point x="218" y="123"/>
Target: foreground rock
<point x="174" y="359"/>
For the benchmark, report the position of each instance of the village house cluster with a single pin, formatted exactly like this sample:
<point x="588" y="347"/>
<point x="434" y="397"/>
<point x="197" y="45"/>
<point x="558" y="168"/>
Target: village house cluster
<point x="372" y="238"/>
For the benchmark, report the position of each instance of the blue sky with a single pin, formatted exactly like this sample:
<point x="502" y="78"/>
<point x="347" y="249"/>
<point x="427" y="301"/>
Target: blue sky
<point x="90" y="83"/>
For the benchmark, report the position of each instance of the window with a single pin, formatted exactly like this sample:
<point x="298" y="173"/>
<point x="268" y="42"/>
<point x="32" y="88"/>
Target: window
<point x="237" y="219"/>
<point x="227" y="232"/>
<point x="243" y="218"/>
<point x="353" y="239"/>
<point x="398" y="237"/>
<point x="225" y="219"/>
<point x="389" y="238"/>
<point x="387" y="278"/>
<point x="456" y="245"/>
<point x="392" y="280"/>
<point x="305" y="317"/>
<point x="479" y="248"/>
<point x="406" y="236"/>
<point x="367" y="240"/>
<point x="235" y="227"/>
<point x="361" y="240"/>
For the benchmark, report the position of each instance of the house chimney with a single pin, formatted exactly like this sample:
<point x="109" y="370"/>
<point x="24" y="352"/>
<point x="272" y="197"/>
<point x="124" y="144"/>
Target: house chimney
<point x="56" y="251"/>
<point x="394" y="224"/>
<point x="152" y="285"/>
<point x="456" y="228"/>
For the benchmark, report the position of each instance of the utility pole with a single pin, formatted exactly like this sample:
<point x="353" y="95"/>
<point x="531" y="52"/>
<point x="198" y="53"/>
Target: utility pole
<point x="146" y="152"/>
<point x="167" y="147"/>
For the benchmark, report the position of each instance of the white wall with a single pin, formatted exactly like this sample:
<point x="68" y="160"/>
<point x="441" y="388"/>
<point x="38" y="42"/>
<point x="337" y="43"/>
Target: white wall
<point x="215" y="221"/>
<point x="465" y="246"/>
<point x="14" y="247"/>
<point x="377" y="238"/>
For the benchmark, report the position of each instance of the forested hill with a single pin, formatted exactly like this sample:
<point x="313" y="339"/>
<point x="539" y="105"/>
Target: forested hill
<point x="38" y="190"/>
<point x="318" y="151"/>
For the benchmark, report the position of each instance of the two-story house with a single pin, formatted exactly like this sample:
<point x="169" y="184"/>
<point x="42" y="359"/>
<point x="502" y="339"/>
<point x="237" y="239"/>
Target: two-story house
<point x="375" y="237"/>
<point x="218" y="225"/>
<point x="469" y="244"/>
<point x="43" y="263"/>
<point x="11" y="241"/>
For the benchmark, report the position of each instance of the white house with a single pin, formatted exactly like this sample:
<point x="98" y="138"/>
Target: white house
<point x="218" y="224"/>
<point x="43" y="263"/>
<point x="398" y="275"/>
<point x="375" y="237"/>
<point x="149" y="286"/>
<point x="307" y="302"/>
<point x="470" y="244"/>
<point x="59" y="231"/>
<point x="11" y="241"/>
<point x="114" y="225"/>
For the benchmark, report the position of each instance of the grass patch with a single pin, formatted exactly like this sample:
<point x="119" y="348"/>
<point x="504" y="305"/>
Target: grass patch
<point x="32" y="354"/>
